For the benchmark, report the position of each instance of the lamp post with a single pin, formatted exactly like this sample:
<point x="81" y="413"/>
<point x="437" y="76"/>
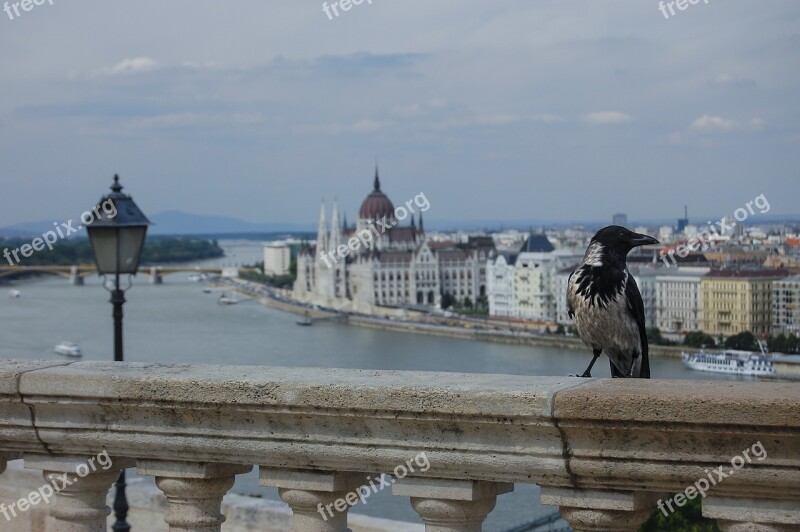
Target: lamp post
<point x="117" y="240"/>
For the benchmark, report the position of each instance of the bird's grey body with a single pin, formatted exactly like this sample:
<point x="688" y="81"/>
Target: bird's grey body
<point x="606" y="325"/>
<point x="606" y="305"/>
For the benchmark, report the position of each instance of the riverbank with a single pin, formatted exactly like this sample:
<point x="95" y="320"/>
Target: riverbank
<point x="466" y="329"/>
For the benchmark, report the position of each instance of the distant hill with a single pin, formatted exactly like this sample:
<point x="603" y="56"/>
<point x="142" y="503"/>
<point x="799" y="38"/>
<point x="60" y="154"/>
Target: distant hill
<point x="174" y="223"/>
<point x="182" y="223"/>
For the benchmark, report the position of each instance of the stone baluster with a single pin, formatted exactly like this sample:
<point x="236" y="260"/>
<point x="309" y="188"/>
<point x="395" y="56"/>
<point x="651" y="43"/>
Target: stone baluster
<point x="194" y="491"/>
<point x="756" y="515"/>
<point x="79" y="485"/>
<point x="319" y="500"/>
<point x="596" y="510"/>
<point x="448" y="505"/>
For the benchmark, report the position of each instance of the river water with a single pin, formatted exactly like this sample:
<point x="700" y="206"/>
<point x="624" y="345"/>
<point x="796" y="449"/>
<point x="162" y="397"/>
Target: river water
<point x="177" y="323"/>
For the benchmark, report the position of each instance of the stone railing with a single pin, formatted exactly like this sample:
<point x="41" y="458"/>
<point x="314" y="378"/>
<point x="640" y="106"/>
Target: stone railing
<point x="604" y="451"/>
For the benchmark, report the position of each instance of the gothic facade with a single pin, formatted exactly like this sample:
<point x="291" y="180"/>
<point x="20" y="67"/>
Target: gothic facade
<point x="398" y="268"/>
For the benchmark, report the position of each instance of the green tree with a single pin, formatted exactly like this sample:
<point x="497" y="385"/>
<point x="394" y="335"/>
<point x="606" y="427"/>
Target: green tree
<point x="447" y="301"/>
<point x="654" y="337"/>
<point x="687" y="518"/>
<point x="699" y="339"/>
<point x="744" y="341"/>
<point x="784" y="344"/>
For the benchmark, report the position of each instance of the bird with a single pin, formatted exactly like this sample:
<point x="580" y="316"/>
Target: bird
<point x="605" y="303"/>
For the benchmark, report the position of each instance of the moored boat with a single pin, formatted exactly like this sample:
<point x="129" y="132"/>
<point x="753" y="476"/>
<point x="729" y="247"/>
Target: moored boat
<point x="733" y="362"/>
<point x="68" y="349"/>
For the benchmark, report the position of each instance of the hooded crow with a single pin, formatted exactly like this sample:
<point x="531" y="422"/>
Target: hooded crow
<point x="604" y="301"/>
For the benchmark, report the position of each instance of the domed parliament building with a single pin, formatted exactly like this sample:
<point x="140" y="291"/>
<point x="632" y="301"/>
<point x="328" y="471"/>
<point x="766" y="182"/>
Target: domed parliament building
<point x="400" y="268"/>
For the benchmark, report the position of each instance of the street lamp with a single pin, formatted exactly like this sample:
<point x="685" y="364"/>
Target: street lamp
<point x="117" y="240"/>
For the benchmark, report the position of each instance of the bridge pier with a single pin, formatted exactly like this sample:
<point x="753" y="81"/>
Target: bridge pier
<point x="155" y="276"/>
<point x="75" y="278"/>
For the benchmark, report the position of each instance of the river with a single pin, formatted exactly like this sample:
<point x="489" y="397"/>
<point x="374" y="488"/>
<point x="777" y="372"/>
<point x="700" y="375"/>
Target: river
<point x="177" y="323"/>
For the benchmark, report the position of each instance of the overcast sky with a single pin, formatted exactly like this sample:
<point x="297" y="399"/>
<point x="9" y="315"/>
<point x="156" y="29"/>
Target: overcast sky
<point x="555" y="109"/>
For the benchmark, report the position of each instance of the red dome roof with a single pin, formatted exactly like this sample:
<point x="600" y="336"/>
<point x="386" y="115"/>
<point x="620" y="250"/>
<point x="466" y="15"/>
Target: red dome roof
<point x="377" y="205"/>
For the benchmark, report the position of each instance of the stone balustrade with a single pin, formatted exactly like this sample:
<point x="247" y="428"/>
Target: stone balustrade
<point x="604" y="451"/>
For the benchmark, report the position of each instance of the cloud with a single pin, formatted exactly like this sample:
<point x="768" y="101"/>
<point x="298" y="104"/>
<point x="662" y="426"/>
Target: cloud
<point x="719" y="124"/>
<point x="729" y="80"/>
<point x="361" y="65"/>
<point x="494" y="120"/>
<point x="603" y="118"/>
<point x="364" y="125"/>
<point x="674" y="138"/>
<point x="417" y="110"/>
<point x="135" y="65"/>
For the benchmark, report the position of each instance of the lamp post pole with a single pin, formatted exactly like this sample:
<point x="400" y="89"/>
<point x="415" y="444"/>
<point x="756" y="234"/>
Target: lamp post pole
<point x="120" y="500"/>
<point x="117" y="237"/>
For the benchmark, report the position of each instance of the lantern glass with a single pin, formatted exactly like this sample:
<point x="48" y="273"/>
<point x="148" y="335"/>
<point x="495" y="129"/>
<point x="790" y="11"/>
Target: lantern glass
<point x="117" y="249"/>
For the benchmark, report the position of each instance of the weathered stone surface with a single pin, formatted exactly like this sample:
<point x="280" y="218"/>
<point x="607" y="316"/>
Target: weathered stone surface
<point x="443" y="488"/>
<point x="602" y="436"/>
<point x="622" y="434"/>
<point x="148" y="506"/>
<point x="303" y="418"/>
<point x="16" y="415"/>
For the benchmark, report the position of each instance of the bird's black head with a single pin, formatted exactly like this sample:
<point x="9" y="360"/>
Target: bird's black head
<point x="616" y="238"/>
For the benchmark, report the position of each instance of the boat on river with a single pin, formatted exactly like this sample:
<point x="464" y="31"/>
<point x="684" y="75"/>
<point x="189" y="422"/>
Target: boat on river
<point x="68" y="349"/>
<point x="730" y="361"/>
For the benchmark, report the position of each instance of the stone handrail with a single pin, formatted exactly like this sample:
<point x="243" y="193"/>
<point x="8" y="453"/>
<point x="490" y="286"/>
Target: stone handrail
<point x="603" y="450"/>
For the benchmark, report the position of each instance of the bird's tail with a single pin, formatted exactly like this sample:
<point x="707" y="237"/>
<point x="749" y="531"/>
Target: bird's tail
<point x="644" y="369"/>
<point x="615" y="373"/>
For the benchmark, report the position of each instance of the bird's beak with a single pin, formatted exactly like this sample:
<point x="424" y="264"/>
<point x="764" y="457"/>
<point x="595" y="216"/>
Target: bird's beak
<point x="642" y="240"/>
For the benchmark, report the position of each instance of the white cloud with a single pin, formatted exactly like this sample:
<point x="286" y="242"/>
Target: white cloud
<point x="494" y="120"/>
<point x="364" y="125"/>
<point x="135" y="65"/>
<point x="417" y="110"/>
<point x="719" y="124"/>
<point x="730" y="80"/>
<point x="603" y="118"/>
<point x="675" y="138"/>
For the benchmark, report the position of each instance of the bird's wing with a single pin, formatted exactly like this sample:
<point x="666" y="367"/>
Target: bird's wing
<point x="570" y="310"/>
<point x="636" y="308"/>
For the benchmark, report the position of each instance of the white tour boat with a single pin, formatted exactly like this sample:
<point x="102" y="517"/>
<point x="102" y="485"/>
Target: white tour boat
<point x="68" y="349"/>
<point x="730" y="361"/>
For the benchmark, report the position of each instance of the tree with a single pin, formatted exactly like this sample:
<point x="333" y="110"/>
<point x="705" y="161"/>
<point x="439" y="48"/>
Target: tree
<point x="699" y="339"/>
<point x="467" y="302"/>
<point x="784" y="344"/>
<point x="560" y="330"/>
<point x="744" y="341"/>
<point x="447" y="301"/>
<point x="654" y="337"/>
<point x="688" y="518"/>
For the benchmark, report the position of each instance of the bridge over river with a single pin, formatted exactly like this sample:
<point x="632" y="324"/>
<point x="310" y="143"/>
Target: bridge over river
<point x="77" y="272"/>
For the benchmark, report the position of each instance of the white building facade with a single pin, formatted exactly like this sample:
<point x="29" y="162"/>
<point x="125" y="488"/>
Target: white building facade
<point x="399" y="268"/>
<point x="679" y="299"/>
<point x="277" y="258"/>
<point x="525" y="284"/>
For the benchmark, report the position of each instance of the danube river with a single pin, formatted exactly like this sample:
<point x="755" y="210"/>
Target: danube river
<point x="177" y="323"/>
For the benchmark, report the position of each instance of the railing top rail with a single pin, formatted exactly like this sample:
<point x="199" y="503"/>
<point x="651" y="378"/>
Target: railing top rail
<point x="650" y="435"/>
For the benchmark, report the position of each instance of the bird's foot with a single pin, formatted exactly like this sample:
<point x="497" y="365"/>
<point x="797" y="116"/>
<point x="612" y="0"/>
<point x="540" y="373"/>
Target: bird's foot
<point x="585" y="374"/>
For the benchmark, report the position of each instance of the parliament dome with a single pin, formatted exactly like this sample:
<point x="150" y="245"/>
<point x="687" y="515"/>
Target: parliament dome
<point x="377" y="205"/>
